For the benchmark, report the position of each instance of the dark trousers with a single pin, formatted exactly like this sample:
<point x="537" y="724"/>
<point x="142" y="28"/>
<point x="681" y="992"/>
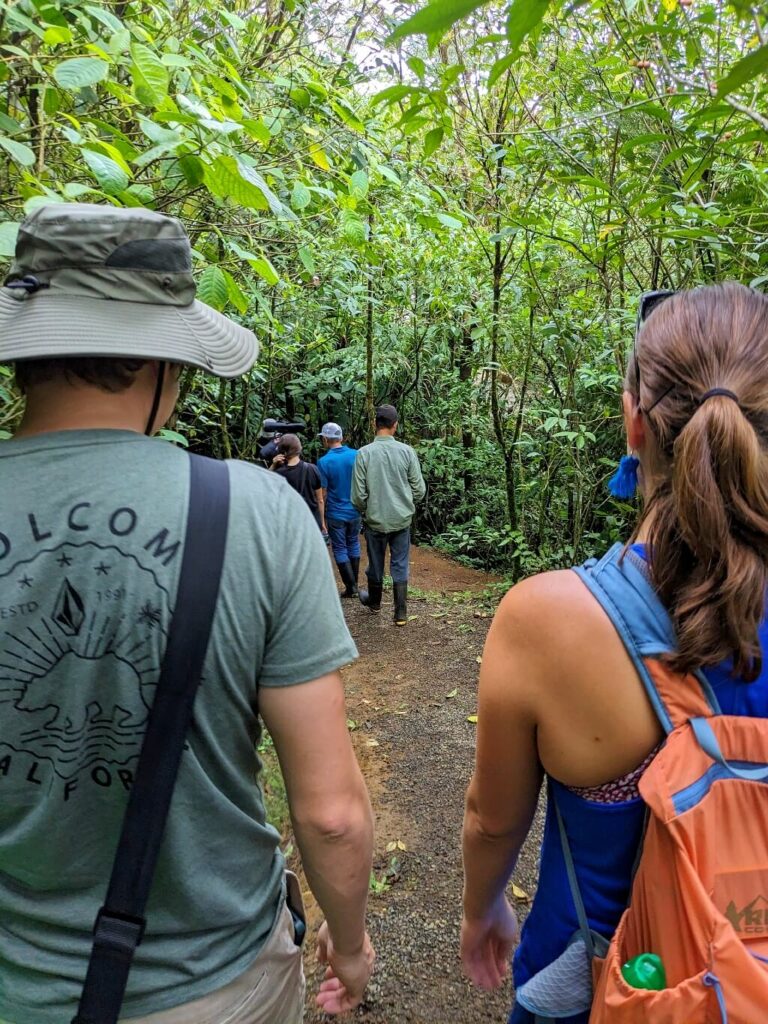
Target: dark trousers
<point x="399" y="544"/>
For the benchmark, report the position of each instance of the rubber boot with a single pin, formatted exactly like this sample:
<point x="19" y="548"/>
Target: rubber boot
<point x="355" y="563"/>
<point x="348" y="579"/>
<point x="371" y="597"/>
<point x="401" y="603"/>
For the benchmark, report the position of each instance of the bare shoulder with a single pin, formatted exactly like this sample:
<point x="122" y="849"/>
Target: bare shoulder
<point x="551" y="604"/>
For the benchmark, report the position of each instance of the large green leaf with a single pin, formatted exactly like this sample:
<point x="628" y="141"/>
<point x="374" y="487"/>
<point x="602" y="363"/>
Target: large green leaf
<point x="749" y="67"/>
<point x="109" y="174"/>
<point x="358" y="185"/>
<point x="355" y="230"/>
<point x="8" y="232"/>
<point x="436" y="17"/>
<point x="193" y="169"/>
<point x="80" y="72"/>
<point x="501" y="65"/>
<point x="347" y="115"/>
<point x="265" y="270"/>
<point x="433" y="141"/>
<point x="229" y="178"/>
<point x="18" y="151"/>
<point x="393" y="93"/>
<point x="150" y="75"/>
<point x="301" y="197"/>
<point x="450" y="222"/>
<point x="253" y="177"/>
<point x="307" y="259"/>
<point x="235" y="293"/>
<point x="524" y="16"/>
<point x="56" y="35"/>
<point x="212" y="288"/>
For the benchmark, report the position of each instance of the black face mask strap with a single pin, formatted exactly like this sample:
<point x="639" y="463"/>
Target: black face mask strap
<point x="156" y="399"/>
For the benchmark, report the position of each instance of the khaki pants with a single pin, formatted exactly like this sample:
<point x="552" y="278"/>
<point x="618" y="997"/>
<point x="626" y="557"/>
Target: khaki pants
<point x="271" y="991"/>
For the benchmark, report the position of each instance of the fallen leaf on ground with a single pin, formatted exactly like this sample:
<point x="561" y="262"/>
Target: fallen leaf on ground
<point x="479" y="660"/>
<point x="396" y="844"/>
<point x="472" y="719"/>
<point x="452" y="693"/>
<point x="520" y="894"/>
<point x="437" y="615"/>
<point x="412" y="617"/>
<point x="372" y="743"/>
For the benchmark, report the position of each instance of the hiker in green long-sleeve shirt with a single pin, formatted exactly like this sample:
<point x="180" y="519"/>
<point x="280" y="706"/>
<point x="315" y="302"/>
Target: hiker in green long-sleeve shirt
<point x="386" y="485"/>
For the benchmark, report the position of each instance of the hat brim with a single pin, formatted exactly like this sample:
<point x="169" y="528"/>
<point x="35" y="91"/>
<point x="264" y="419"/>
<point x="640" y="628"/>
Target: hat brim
<point x="50" y="324"/>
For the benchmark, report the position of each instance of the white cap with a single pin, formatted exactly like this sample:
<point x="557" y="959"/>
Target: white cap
<point x="332" y="431"/>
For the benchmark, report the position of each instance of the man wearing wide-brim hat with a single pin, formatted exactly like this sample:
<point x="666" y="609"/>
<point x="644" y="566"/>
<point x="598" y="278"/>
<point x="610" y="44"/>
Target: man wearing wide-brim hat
<point x="98" y="315"/>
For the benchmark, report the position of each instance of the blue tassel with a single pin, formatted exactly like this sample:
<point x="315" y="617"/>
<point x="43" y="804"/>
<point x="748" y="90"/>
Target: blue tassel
<point x="623" y="483"/>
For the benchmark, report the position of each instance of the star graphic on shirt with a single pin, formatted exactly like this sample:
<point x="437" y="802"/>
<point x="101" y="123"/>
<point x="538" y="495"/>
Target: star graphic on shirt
<point x="25" y="581"/>
<point x="149" y="616"/>
<point x="64" y="560"/>
<point x="101" y="569"/>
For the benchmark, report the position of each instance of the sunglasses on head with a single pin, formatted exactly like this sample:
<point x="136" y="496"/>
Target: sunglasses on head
<point x="648" y="302"/>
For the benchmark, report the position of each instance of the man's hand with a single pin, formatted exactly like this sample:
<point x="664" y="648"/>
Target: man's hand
<point x="347" y="975"/>
<point x="487" y="944"/>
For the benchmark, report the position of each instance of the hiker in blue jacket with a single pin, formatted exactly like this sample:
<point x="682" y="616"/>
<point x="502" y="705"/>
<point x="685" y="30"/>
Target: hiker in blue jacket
<point x="341" y="517"/>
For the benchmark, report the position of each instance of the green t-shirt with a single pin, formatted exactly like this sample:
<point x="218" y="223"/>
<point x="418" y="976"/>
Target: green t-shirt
<point x="91" y="537"/>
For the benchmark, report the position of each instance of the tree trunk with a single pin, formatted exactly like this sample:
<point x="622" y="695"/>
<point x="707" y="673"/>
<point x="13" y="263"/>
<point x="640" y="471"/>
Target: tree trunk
<point x="498" y="423"/>
<point x="370" y="412"/>
<point x="465" y="376"/>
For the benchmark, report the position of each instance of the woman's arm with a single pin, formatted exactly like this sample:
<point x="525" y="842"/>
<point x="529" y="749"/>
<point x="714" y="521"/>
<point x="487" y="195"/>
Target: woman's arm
<point x="503" y="792"/>
<point x="320" y="498"/>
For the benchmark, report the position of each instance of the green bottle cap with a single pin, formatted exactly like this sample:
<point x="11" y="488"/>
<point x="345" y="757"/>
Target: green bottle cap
<point x="645" y="971"/>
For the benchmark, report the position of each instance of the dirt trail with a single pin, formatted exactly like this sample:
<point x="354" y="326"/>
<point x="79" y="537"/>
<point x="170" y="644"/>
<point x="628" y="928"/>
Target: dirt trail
<point x="409" y="696"/>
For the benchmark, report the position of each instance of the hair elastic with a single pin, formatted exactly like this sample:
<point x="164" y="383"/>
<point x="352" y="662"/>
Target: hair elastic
<point x="718" y="392"/>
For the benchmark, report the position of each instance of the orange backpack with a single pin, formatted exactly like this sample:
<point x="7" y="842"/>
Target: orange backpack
<point x="700" y="895"/>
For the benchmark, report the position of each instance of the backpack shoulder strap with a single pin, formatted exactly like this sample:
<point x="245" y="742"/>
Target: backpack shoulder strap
<point x="120" y="923"/>
<point x="621" y="583"/>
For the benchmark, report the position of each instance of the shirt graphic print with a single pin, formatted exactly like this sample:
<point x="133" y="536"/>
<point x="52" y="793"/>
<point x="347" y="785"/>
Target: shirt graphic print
<point x="80" y="609"/>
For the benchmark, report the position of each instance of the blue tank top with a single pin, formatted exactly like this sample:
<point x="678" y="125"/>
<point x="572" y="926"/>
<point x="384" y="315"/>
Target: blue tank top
<point x="605" y="839"/>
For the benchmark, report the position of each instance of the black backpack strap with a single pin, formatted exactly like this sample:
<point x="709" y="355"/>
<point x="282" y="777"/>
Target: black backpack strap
<point x="120" y="923"/>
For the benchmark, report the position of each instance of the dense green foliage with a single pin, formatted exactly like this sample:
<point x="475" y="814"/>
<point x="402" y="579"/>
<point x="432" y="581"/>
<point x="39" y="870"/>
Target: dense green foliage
<point x="457" y="220"/>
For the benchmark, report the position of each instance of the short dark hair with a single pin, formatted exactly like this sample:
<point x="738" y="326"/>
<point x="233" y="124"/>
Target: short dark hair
<point x="290" y="445"/>
<point x="113" y="375"/>
<point x="386" y="416"/>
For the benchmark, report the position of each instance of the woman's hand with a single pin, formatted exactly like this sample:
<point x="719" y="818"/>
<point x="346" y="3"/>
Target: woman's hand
<point x="487" y="944"/>
<point x="346" y="977"/>
<point x="279" y="460"/>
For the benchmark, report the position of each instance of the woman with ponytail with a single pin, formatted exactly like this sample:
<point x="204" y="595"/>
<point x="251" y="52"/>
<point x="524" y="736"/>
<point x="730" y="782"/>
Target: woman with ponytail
<point x="561" y="695"/>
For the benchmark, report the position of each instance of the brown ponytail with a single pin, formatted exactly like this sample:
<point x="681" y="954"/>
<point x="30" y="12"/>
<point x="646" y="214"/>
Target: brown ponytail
<point x="708" y="504"/>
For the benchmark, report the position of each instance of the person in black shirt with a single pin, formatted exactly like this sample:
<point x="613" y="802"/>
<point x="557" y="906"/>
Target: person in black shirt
<point x="302" y="476"/>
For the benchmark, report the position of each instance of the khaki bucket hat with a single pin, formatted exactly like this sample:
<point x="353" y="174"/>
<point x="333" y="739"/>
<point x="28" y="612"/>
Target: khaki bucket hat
<point x="92" y="280"/>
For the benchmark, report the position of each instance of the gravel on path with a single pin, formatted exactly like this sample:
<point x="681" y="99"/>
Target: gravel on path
<point x="409" y="697"/>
